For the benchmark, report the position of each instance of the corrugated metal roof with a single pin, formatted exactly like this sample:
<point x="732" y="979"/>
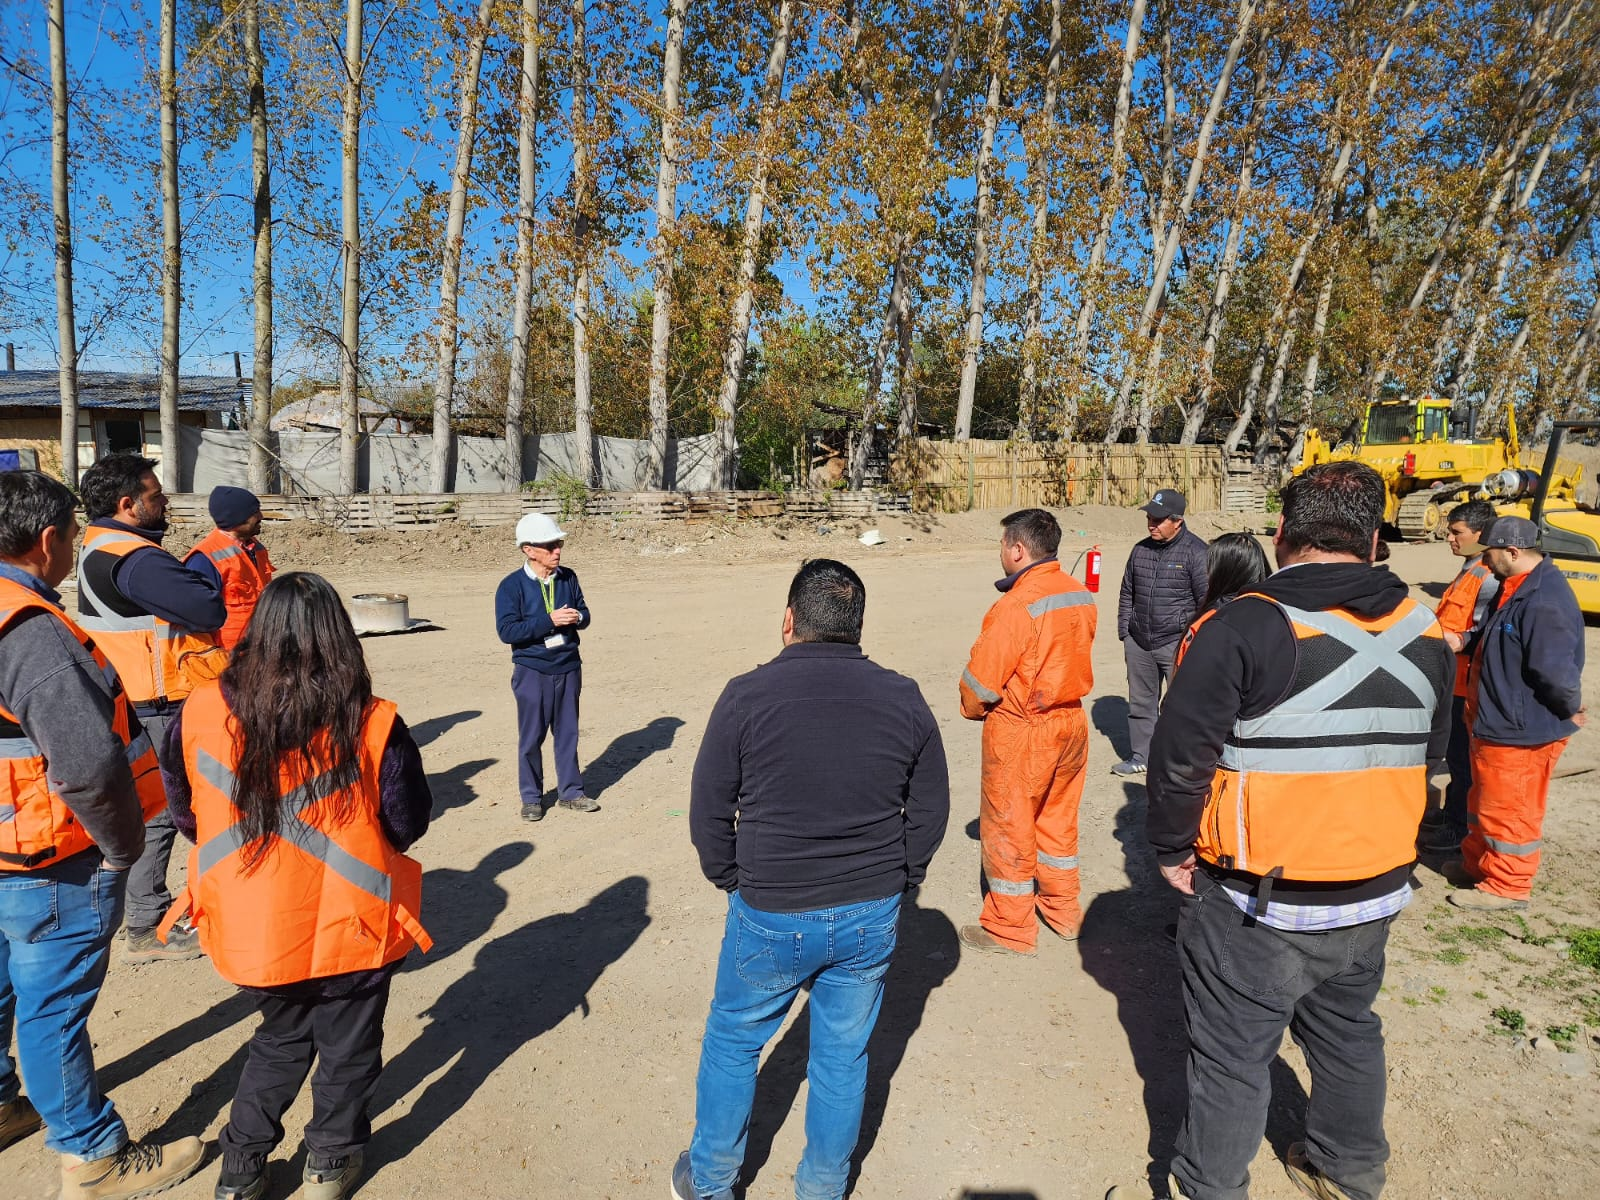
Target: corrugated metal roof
<point x="120" y="389"/>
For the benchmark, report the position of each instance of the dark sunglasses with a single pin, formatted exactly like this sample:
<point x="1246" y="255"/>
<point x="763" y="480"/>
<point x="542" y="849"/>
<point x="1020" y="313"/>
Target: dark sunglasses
<point x="545" y="545"/>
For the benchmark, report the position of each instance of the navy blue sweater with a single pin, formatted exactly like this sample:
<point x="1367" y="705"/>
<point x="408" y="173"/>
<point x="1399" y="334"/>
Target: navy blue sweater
<point x="821" y="781"/>
<point x="1530" y="664"/>
<point x="523" y="624"/>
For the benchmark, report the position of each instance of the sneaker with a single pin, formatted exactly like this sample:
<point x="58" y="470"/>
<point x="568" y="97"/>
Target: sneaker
<point x="533" y="812"/>
<point x="18" y="1118"/>
<point x="683" y="1181"/>
<point x="579" y="804"/>
<point x="1456" y="874"/>
<point x="1478" y="900"/>
<point x="182" y="943"/>
<point x="1307" y="1178"/>
<point x="240" y="1185"/>
<point x="138" y="1169"/>
<point x="1143" y="1191"/>
<point x="331" y="1178"/>
<point x="976" y="937"/>
<point x="1129" y="766"/>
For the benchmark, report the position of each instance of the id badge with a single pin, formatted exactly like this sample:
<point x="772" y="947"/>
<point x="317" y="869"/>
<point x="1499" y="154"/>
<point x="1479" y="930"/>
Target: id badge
<point x="554" y="640"/>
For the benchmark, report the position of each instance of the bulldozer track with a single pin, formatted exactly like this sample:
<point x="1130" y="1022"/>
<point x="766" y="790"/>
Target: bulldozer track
<point x="1415" y="520"/>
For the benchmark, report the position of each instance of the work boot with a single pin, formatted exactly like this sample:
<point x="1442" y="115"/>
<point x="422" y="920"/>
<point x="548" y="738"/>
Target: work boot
<point x="331" y="1178"/>
<point x="1132" y="765"/>
<point x="976" y="937"/>
<point x="1307" y="1178"/>
<point x="1456" y="874"/>
<point x="533" y="812"/>
<point x="181" y="943"/>
<point x="579" y="804"/>
<point x="1441" y="839"/>
<point x="240" y="1185"/>
<point x="138" y="1169"/>
<point x="1143" y="1191"/>
<point x="1066" y="935"/>
<point x="1478" y="900"/>
<point x="18" y="1118"/>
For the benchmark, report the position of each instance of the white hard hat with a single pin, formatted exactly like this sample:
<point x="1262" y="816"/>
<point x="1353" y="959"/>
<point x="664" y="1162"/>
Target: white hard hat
<point x="538" y="529"/>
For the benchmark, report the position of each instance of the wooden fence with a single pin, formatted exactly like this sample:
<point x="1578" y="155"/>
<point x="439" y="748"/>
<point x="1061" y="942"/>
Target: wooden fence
<point x="952" y="476"/>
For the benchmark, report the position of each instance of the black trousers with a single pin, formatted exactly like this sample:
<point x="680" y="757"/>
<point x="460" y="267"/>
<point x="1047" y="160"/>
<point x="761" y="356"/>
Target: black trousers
<point x="344" y="1035"/>
<point x="1243" y="985"/>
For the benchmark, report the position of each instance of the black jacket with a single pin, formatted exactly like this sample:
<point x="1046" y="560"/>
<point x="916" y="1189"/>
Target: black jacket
<point x="1241" y="664"/>
<point x="821" y="781"/>
<point x="1162" y="590"/>
<point x="1529" y="659"/>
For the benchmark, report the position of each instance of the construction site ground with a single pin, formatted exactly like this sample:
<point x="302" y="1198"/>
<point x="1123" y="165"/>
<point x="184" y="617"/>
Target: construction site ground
<point x="547" y="1047"/>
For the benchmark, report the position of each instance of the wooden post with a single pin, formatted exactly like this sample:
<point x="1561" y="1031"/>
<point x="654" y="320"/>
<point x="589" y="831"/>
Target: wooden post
<point x="971" y="470"/>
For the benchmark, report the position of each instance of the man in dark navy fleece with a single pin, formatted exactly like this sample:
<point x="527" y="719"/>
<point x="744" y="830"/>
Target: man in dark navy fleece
<point x="820" y="795"/>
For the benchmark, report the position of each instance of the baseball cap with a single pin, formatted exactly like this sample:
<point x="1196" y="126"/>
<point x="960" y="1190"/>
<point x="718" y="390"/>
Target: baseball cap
<point x="1164" y="504"/>
<point x="1507" y="533"/>
<point x="537" y="529"/>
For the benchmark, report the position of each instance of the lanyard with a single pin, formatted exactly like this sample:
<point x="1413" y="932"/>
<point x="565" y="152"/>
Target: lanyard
<point x="547" y="589"/>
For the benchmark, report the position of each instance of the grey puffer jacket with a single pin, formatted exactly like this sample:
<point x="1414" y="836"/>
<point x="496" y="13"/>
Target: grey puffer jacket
<point x="1162" y="590"/>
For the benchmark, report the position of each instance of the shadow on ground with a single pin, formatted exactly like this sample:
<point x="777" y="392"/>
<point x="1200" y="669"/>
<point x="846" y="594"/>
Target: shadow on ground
<point x="459" y="907"/>
<point x="522" y="985"/>
<point x="925" y="956"/>
<point x="1110" y="717"/>
<point x="435" y="728"/>
<point x="627" y="751"/>
<point x="451" y="788"/>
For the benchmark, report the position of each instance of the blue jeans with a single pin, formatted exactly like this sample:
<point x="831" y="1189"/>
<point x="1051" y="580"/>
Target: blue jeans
<point x="55" y="943"/>
<point x="766" y="957"/>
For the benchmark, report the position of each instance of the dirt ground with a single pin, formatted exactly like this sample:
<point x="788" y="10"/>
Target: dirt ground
<point x="548" y="1045"/>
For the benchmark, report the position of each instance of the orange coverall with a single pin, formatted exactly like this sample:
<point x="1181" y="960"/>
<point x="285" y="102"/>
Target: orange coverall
<point x="1025" y="680"/>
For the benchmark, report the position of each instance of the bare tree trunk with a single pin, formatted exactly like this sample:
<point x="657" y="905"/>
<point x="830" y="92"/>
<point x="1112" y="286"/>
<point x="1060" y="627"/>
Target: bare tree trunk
<point x="171" y="248"/>
<point x="582" y="398"/>
<point x="1319" y="327"/>
<point x="903" y="262"/>
<point x="1269" y="406"/>
<point x="261" y="270"/>
<point x="750" y="249"/>
<point x="664" y="246"/>
<point x="978" y="289"/>
<point x="527" y="194"/>
<point x="444" y="385"/>
<point x="1195" y="418"/>
<point x="906" y="434"/>
<point x="1151" y="386"/>
<point x="1166" y="250"/>
<point x="1030" y="409"/>
<point x="1580" y="352"/>
<point x="350" y="220"/>
<point x="61" y="211"/>
<point x="1110" y="200"/>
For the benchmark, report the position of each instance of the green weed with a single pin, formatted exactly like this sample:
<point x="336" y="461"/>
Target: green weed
<point x="1584" y="947"/>
<point x="1511" y="1019"/>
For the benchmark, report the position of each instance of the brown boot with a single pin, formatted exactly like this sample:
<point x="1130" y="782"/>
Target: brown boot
<point x="138" y="1169"/>
<point x="976" y="937"/>
<point x="18" y="1118"/>
<point x="1307" y="1178"/>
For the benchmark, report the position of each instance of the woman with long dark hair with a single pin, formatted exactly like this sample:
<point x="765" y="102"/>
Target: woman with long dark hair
<point x="301" y="790"/>
<point x="1235" y="563"/>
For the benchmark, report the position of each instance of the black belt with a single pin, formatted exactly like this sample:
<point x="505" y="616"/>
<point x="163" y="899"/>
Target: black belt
<point x="28" y="861"/>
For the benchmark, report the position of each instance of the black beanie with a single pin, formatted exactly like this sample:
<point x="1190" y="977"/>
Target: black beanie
<point x="233" y="506"/>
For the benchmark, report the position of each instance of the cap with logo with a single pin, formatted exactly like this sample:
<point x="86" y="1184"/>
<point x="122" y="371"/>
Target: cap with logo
<point x="537" y="529"/>
<point x="1506" y="533"/>
<point x="1165" y="505"/>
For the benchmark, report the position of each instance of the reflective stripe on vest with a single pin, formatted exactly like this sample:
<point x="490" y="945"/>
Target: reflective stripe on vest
<point x="36" y="826"/>
<point x="243" y="577"/>
<point x="343" y="898"/>
<point x="1283" y="799"/>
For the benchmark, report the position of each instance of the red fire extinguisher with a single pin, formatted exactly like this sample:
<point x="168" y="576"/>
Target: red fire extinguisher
<point x="1091" y="569"/>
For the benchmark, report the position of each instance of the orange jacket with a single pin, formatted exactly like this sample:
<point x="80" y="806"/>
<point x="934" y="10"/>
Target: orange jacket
<point x="1458" y="613"/>
<point x="1033" y="653"/>
<point x="328" y="898"/>
<point x="36" y="826"/>
<point x="243" y="576"/>
<point x="1328" y="786"/>
<point x="156" y="659"/>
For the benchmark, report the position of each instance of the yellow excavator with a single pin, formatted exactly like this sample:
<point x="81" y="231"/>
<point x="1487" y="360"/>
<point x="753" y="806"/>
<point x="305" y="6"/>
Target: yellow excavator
<point x="1426" y="468"/>
<point x="1569" y="532"/>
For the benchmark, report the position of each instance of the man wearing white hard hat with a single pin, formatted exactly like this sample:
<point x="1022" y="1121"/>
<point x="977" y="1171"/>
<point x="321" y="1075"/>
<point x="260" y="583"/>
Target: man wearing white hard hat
<point x="538" y="611"/>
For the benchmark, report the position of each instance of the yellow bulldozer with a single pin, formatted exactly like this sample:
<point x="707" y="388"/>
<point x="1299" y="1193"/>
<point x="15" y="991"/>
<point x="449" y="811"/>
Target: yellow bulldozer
<point x="1426" y="468"/>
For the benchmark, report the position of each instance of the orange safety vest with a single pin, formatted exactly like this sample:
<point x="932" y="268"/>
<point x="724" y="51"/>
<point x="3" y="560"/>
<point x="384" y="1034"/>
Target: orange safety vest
<point x="156" y="659"/>
<point x="1457" y="613"/>
<point x="1329" y="785"/>
<point x="1188" y="634"/>
<point x="327" y="899"/>
<point x="36" y="826"/>
<point x="243" y="576"/>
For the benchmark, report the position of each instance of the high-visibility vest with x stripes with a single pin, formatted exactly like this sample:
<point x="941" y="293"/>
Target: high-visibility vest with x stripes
<point x="243" y="576"/>
<point x="331" y="895"/>
<point x="36" y="826"/>
<point x="156" y="659"/>
<point x="1330" y="784"/>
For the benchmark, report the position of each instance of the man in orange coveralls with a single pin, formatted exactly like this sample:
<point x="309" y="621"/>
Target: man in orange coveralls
<point x="1025" y="680"/>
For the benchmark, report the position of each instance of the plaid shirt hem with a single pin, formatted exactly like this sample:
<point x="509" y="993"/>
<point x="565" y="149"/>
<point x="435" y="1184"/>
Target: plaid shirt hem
<point x="1319" y="918"/>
